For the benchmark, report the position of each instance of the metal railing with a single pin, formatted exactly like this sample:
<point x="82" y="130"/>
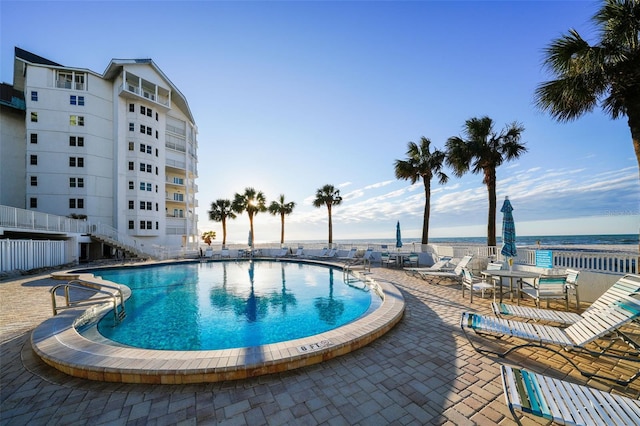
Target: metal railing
<point x="111" y="296"/>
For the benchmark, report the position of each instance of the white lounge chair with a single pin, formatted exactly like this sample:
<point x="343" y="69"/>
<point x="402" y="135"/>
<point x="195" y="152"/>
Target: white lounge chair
<point x="563" y="402"/>
<point x="440" y="265"/>
<point x="625" y="286"/>
<point x="350" y="255"/>
<point x="282" y="252"/>
<point x="456" y="274"/>
<point x="365" y="261"/>
<point x="582" y="336"/>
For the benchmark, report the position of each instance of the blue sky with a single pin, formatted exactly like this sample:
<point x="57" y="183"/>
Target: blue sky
<point x="290" y="96"/>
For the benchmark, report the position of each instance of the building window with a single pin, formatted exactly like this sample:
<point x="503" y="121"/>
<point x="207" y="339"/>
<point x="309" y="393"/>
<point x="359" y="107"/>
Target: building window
<point x="132" y="127"/>
<point x="34" y="117"/>
<point x="34" y="96"/>
<point x="70" y="80"/>
<point x="156" y="152"/>
<point x="156" y="206"/>
<point x="33" y="160"/>
<point x="76" y="203"/>
<point x="149" y="187"/>
<point x="130" y="224"/>
<point x="131" y="184"/>
<point x="142" y="204"/>
<point x="76" y="182"/>
<point x="80" y="182"/>
<point x="131" y="165"/>
<point x="33" y="203"/>
<point x="149" y="224"/>
<point x="131" y="146"/>
<point x="142" y="167"/>
<point x="81" y="100"/>
<point x="156" y="116"/>
<point x="76" y="140"/>
<point x="156" y="171"/>
<point x="72" y="182"/>
<point x="73" y="100"/>
<point x="76" y="120"/>
<point x="34" y="138"/>
<point x="149" y="149"/>
<point x="142" y="148"/>
<point x="143" y="129"/>
<point x="149" y="112"/>
<point x="130" y="204"/>
<point x="142" y="110"/>
<point x="157" y="225"/>
<point x="34" y="180"/>
<point x="72" y="203"/>
<point x="142" y="186"/>
<point x="142" y="224"/>
<point x="149" y="131"/>
<point x="76" y="162"/>
<point x="132" y="108"/>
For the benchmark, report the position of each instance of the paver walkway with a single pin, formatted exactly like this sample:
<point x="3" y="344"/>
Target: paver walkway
<point x="422" y="372"/>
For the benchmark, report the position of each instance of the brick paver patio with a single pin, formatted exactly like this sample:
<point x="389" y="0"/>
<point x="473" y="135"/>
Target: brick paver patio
<point x="421" y="372"/>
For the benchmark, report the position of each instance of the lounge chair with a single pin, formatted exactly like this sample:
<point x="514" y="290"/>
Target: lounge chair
<point x="365" y="261"/>
<point x="563" y="402"/>
<point x="224" y="253"/>
<point x="456" y="274"/>
<point x="572" y="286"/>
<point x="330" y="254"/>
<point x="440" y="265"/>
<point x="350" y="255"/>
<point x="474" y="284"/>
<point x="284" y="251"/>
<point x="625" y="286"/>
<point x="298" y="253"/>
<point x="600" y="324"/>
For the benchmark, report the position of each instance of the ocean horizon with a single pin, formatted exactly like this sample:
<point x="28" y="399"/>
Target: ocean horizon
<point x="522" y="241"/>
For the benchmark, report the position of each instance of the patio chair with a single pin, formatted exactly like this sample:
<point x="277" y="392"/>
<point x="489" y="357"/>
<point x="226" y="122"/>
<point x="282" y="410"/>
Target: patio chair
<point x="456" y="274"/>
<point x="572" y="286"/>
<point x="224" y="253"/>
<point x="546" y="287"/>
<point x="330" y="254"/>
<point x="299" y="253"/>
<point x="385" y="258"/>
<point x="473" y="284"/>
<point x="412" y="259"/>
<point x="600" y="324"/>
<point x="625" y="286"/>
<point x="440" y="265"/>
<point x="563" y="402"/>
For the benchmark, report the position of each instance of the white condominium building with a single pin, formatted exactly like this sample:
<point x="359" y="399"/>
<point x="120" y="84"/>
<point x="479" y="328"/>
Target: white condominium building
<point x="119" y="148"/>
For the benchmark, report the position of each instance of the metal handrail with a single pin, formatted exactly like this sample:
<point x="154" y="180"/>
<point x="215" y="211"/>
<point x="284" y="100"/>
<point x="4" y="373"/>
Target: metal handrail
<point x="78" y="284"/>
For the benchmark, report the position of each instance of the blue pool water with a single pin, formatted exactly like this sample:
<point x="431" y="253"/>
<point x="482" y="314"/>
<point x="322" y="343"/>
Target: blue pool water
<point x="222" y="305"/>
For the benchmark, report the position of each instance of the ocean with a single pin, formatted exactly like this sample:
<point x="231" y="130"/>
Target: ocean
<point x="630" y="240"/>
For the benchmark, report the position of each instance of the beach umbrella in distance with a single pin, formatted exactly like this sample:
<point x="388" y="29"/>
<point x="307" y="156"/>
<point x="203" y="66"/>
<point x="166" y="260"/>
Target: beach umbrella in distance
<point x="508" y="232"/>
<point x="398" y="236"/>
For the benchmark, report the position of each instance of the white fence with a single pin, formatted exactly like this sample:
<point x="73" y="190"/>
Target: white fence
<point x="25" y="255"/>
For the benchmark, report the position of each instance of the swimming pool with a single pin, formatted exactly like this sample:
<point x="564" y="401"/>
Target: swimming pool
<point x="222" y="305"/>
<point x="59" y="344"/>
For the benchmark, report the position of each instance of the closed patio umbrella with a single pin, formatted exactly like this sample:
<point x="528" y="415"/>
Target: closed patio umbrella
<point x="250" y="240"/>
<point x="398" y="236"/>
<point x="508" y="232"/>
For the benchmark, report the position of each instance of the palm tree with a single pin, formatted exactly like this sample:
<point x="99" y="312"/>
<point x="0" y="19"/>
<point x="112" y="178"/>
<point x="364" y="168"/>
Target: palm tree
<point x="281" y="208"/>
<point x="606" y="73"/>
<point x="220" y="212"/>
<point x="328" y="196"/>
<point x="484" y="151"/>
<point x="252" y="202"/>
<point x="422" y="164"/>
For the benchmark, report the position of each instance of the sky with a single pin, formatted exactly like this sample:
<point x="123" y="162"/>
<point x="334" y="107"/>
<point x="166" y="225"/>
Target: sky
<point x="289" y="96"/>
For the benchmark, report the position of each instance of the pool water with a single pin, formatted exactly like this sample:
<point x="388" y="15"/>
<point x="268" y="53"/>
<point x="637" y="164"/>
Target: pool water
<point x="223" y="305"/>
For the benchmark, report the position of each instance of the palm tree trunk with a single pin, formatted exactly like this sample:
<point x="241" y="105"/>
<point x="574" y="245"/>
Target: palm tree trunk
<point x="427" y="210"/>
<point x="490" y="180"/>
<point x="634" y="126"/>
<point x="253" y="236"/>
<point x="224" y="231"/>
<point x="330" y="225"/>
<point x="282" y="228"/>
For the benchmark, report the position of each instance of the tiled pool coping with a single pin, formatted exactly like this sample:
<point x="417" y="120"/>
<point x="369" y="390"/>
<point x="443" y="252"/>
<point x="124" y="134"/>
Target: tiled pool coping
<point x="57" y="342"/>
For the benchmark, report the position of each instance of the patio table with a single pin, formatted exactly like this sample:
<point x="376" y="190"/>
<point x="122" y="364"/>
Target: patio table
<point x="505" y="273"/>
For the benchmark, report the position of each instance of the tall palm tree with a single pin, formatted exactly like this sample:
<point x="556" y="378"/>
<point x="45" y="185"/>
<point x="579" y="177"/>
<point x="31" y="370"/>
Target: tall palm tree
<point x="220" y="212"/>
<point x="281" y="208"/>
<point x="606" y="73"/>
<point x="484" y="151"/>
<point x="422" y="164"/>
<point x="328" y="196"/>
<point x="252" y="202"/>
